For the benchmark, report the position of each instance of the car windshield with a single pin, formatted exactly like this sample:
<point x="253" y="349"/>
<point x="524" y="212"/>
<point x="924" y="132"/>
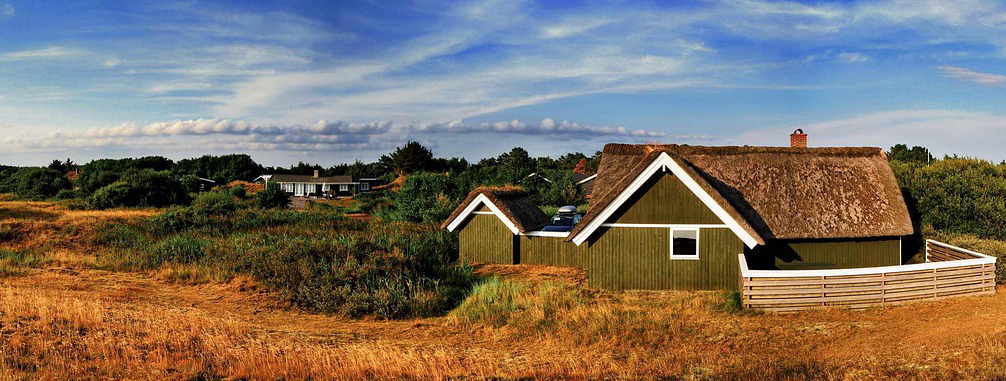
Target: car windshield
<point x="564" y="220"/>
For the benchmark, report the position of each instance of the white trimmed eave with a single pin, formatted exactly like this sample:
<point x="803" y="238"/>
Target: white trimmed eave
<point x="482" y="199"/>
<point x="665" y="162"/>
<point x="586" y="179"/>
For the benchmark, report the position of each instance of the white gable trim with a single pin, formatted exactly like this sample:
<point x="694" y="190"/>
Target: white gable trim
<point x="662" y="162"/>
<point x="482" y="199"/>
<point x="586" y="180"/>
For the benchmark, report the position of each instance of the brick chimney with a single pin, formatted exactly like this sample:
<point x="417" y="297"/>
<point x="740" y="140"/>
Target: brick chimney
<point x="798" y="139"/>
<point x="316" y="171"/>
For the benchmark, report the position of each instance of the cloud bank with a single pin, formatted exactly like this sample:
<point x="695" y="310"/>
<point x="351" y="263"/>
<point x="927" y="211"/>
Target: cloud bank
<point x="547" y="126"/>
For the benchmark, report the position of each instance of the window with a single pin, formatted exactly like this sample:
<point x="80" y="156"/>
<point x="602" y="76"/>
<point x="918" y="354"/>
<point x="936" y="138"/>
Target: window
<point x="343" y="187"/>
<point x="365" y="186"/>
<point x="684" y="243"/>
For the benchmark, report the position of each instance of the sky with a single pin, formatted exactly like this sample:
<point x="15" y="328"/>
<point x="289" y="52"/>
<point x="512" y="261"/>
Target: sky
<point x="331" y="82"/>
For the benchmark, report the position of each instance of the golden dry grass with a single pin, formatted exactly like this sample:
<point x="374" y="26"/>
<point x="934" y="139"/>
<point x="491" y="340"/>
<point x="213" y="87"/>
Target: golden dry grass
<point x="100" y="325"/>
<point x="68" y="321"/>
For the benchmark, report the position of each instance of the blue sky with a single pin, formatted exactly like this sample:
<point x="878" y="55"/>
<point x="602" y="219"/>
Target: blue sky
<point x="331" y="82"/>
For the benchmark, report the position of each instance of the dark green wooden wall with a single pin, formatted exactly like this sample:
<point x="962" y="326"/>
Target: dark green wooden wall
<point x="841" y="254"/>
<point x="484" y="238"/>
<point x="639" y="258"/>
<point x="553" y="251"/>
<point x="664" y="199"/>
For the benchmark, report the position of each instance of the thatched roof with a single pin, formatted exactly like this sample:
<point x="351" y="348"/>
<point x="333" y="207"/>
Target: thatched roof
<point x="512" y="201"/>
<point x="775" y="192"/>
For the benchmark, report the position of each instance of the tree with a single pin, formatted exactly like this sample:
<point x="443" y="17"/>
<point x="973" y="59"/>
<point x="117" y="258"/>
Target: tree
<point x="427" y="197"/>
<point x="144" y="188"/>
<point x="516" y="165"/>
<point x="62" y="166"/>
<point x="222" y="169"/>
<point x="35" y="183"/>
<point x="916" y="154"/>
<point x="272" y="197"/>
<point x="410" y="158"/>
<point x="581" y="167"/>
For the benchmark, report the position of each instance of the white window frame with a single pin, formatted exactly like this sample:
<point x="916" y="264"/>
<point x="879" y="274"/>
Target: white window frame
<point x="698" y="241"/>
<point x="364" y="186"/>
<point x="343" y="187"/>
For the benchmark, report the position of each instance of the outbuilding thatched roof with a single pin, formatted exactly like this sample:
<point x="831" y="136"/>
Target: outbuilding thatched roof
<point x="775" y="192"/>
<point x="512" y="201"/>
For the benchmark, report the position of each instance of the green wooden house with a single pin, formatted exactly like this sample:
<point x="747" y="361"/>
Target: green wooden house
<point x="676" y="217"/>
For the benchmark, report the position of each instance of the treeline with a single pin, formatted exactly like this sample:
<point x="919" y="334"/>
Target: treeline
<point x="436" y="183"/>
<point x="953" y="194"/>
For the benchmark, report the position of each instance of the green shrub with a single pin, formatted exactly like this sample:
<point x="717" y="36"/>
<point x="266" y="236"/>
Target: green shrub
<point x="34" y="183"/>
<point x="179" y="249"/>
<point x="391" y="272"/>
<point x="214" y="203"/>
<point x="238" y="191"/>
<point x="143" y="188"/>
<point x="956" y="195"/>
<point x="119" y="235"/>
<point x="272" y="197"/>
<point x="111" y="196"/>
<point x="67" y="194"/>
<point x="427" y="197"/>
<point x="12" y="262"/>
<point x="732" y="302"/>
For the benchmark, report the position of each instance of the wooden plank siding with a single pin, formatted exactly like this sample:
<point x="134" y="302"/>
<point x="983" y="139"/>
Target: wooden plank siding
<point x="639" y="258"/>
<point x="843" y="254"/>
<point x="553" y="251"/>
<point x="664" y="199"/>
<point x="795" y="290"/>
<point x="483" y="238"/>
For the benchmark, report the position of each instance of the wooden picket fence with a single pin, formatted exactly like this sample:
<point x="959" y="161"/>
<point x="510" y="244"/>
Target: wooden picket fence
<point x="949" y="271"/>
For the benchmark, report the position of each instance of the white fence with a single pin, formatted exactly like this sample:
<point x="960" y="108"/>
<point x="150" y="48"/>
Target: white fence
<point x="950" y="271"/>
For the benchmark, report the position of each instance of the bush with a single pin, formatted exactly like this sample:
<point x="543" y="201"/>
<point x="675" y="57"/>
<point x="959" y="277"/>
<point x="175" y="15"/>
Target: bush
<point x="34" y="183"/>
<point x="13" y="261"/>
<point x="272" y="197"/>
<point x="957" y="195"/>
<point x="238" y="191"/>
<point x="67" y="194"/>
<point x="180" y="249"/>
<point x="143" y="188"/>
<point x="427" y="197"/>
<point x="388" y="271"/>
<point x="214" y="203"/>
<point x="111" y="196"/>
<point x="119" y="235"/>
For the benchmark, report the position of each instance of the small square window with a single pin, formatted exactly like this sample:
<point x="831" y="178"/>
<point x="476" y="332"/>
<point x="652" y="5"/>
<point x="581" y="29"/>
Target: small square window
<point x="365" y="186"/>
<point x="344" y="188"/>
<point x="684" y="243"/>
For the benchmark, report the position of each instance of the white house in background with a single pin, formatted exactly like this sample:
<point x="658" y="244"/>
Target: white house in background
<point x="318" y="186"/>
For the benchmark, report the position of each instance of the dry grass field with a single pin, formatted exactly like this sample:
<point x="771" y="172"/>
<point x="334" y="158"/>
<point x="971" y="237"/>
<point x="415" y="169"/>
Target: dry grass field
<point x="65" y="319"/>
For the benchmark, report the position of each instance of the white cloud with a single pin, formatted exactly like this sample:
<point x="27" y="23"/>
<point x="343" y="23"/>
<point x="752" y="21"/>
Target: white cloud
<point x="547" y="126"/>
<point x="8" y="10"/>
<point x="573" y="27"/>
<point x="850" y="57"/>
<point x="37" y="54"/>
<point x="963" y="74"/>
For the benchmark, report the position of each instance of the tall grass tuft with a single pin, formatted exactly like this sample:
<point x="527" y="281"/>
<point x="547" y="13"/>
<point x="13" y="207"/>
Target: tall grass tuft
<point x="519" y="305"/>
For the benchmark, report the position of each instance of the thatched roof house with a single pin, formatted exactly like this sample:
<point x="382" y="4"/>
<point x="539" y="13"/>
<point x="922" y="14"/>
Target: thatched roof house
<point x="677" y="217"/>
<point x="773" y="192"/>
<point x="510" y="204"/>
